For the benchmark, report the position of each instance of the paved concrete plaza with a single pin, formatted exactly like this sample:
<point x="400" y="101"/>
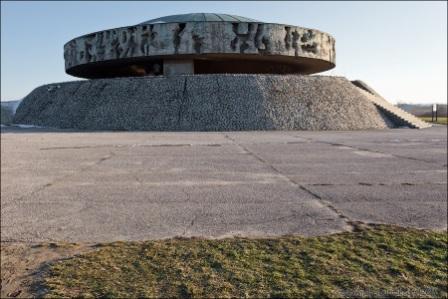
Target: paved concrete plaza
<point x="106" y="186"/>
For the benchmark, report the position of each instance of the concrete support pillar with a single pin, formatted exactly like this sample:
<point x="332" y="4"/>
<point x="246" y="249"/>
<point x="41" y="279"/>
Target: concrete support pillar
<point x="178" y="67"/>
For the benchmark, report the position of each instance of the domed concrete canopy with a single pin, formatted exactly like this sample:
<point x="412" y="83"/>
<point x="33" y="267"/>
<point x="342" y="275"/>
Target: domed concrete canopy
<point x="200" y="43"/>
<point x="200" y="17"/>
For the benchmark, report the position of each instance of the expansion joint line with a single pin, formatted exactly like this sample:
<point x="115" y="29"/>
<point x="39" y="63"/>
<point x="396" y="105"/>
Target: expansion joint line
<point x="365" y="150"/>
<point x="352" y="224"/>
<point x="187" y="229"/>
<point x="57" y="180"/>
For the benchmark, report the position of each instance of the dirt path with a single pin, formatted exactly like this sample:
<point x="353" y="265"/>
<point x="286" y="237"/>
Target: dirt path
<point x="22" y="266"/>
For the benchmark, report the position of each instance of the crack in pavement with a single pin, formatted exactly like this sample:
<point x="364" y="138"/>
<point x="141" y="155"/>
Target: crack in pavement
<point x="325" y="203"/>
<point x="59" y="179"/>
<point x="155" y="145"/>
<point x="375" y="184"/>
<point x="195" y="216"/>
<point x="119" y="146"/>
<point x="294" y="214"/>
<point x="365" y="149"/>
<point x="128" y="146"/>
<point x="190" y="225"/>
<point x="35" y="239"/>
<point x="329" y="206"/>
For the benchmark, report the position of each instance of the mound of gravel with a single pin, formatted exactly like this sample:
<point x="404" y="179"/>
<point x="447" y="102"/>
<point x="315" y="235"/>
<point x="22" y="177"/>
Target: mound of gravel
<point x="203" y="103"/>
<point x="8" y="108"/>
<point x="6" y="116"/>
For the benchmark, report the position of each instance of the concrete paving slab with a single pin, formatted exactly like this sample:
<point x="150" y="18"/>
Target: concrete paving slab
<point x="420" y="206"/>
<point x="428" y="145"/>
<point x="307" y="164"/>
<point x="99" y="212"/>
<point x="106" y="186"/>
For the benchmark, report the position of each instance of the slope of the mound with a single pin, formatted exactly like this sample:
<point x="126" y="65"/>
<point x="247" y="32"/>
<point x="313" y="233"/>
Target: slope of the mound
<point x="203" y="103"/>
<point x="8" y="108"/>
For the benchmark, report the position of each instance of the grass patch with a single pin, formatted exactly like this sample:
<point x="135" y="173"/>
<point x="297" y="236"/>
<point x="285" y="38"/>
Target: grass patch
<point x="378" y="261"/>
<point x="442" y="120"/>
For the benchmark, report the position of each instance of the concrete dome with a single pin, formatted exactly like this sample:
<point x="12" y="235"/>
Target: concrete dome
<point x="200" y="43"/>
<point x="200" y="17"/>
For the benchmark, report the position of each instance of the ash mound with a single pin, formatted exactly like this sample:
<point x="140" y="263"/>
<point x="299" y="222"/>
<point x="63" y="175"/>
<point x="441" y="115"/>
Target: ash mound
<point x="221" y="102"/>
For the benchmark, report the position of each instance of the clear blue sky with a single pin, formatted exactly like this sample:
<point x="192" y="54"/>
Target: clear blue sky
<point x="399" y="48"/>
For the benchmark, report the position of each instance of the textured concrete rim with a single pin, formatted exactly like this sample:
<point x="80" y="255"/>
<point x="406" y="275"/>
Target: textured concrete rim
<point x="281" y="49"/>
<point x="123" y="27"/>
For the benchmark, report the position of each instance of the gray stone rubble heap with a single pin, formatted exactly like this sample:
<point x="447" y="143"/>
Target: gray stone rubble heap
<point x="203" y="103"/>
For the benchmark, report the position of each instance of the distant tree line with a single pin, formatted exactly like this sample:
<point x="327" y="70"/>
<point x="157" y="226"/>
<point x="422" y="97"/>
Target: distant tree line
<point x="423" y="109"/>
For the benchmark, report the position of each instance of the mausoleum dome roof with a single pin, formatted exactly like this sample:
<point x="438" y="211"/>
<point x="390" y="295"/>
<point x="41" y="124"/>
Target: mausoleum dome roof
<point x="200" y="17"/>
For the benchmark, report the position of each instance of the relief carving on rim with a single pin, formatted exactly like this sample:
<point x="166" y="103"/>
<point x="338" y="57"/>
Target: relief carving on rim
<point x="191" y="38"/>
